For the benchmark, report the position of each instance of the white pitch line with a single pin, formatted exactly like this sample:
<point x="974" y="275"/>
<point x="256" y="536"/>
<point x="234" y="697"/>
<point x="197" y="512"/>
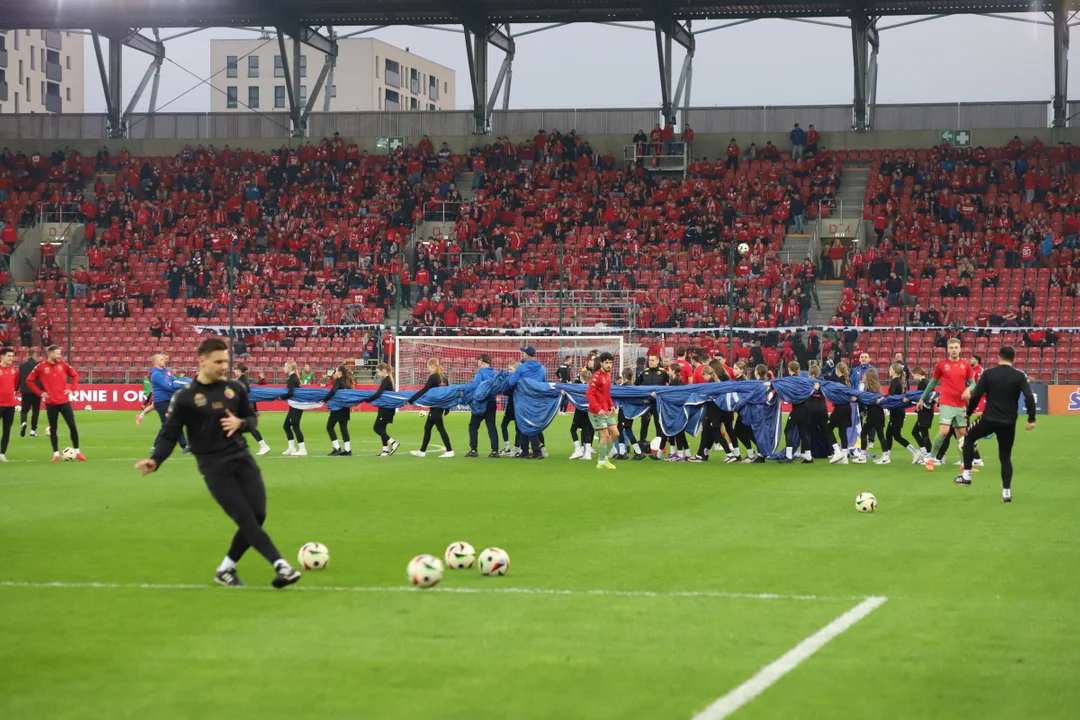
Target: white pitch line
<point x="771" y="673"/>
<point x="452" y="590"/>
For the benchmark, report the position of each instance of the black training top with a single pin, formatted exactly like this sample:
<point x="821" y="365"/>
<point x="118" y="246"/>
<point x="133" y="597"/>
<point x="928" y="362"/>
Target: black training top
<point x="199" y="409"/>
<point x="25" y="369"/>
<point x="1002" y="385"/>
<point x="386" y="384"/>
<point x="653" y="376"/>
<point x="434" y="380"/>
<point x="339" y="384"/>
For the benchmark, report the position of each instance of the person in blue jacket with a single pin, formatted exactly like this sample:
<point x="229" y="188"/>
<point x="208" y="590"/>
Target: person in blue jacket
<point x="531" y="369"/>
<point x="798" y="142"/>
<point x="483" y="412"/>
<point x="163" y="386"/>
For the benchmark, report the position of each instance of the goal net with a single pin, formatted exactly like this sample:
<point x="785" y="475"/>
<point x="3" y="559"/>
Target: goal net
<point x="458" y="354"/>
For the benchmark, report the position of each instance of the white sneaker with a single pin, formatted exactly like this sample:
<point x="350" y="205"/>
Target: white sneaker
<point x="731" y="458"/>
<point x="263" y="450"/>
<point x="418" y="453"/>
<point x="578" y="452"/>
<point x="300" y="453"/>
<point x="543" y="451"/>
<point x="958" y="463"/>
<point x="870" y="446"/>
<point x="859" y="459"/>
<point x="977" y="462"/>
<point x="505" y="452"/>
<point x="447" y="454"/>
<point x="516" y="452"/>
<point x="918" y="458"/>
<point x="3" y="458"/>
<point x="1006" y="495"/>
<point x="884" y="460"/>
<point x="394" y="445"/>
<point x="290" y="451"/>
<point x="839" y="457"/>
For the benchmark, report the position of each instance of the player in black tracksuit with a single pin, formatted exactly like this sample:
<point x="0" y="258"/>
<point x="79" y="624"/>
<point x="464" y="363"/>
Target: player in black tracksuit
<point x="295" y="414"/>
<point x="215" y="412"/>
<point x="840" y="420"/>
<point x="652" y="376"/>
<point x="1002" y="386"/>
<point x="713" y="421"/>
<point x="897" y="418"/>
<point x="30" y="399"/>
<point x="343" y="380"/>
<point x="385" y="416"/>
<point x="796" y="421"/>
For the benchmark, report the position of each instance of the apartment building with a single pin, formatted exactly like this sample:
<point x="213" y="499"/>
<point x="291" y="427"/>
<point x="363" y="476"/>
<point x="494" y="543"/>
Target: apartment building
<point x="41" y="71"/>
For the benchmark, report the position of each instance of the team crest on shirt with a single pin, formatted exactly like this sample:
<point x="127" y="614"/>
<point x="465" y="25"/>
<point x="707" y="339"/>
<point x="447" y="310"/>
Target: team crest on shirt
<point x="200" y="400"/>
<point x="229" y="393"/>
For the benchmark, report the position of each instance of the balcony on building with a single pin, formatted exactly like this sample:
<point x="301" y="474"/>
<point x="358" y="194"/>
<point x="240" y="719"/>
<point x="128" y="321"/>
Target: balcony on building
<point x="53" y="39"/>
<point x="54" y="72"/>
<point x="3" y="92"/>
<point x="54" y="103"/>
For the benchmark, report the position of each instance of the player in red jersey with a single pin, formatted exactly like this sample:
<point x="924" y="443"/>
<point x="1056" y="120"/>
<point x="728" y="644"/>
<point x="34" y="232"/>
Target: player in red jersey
<point x="9" y="384"/>
<point x="602" y="410"/>
<point x="955" y="378"/>
<point x="50" y="380"/>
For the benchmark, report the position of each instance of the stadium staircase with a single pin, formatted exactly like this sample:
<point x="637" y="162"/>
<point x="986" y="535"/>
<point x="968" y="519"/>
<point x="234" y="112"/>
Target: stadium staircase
<point x="852" y="192"/>
<point x="830" y="293"/>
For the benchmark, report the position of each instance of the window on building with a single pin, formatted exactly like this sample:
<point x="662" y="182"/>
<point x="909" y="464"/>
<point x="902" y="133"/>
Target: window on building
<point x="52" y="57"/>
<point x="67" y="62"/>
<point x="67" y="94"/>
<point x="393" y="73"/>
<point x="303" y="66"/>
<point x="376" y="62"/>
<point x="15" y="37"/>
<point x="393" y="100"/>
<point x="20" y="69"/>
<point x="253" y="96"/>
<point x="431" y="106"/>
<point x="231" y="66"/>
<point x="414" y="104"/>
<point x="433" y="87"/>
<point x="43" y="59"/>
<point x="231" y="96"/>
<point x="42" y="91"/>
<point x="253" y="66"/>
<point x="17" y="102"/>
<point x="3" y="43"/>
<point x="29" y="97"/>
<point x="303" y="94"/>
<point x="333" y="91"/>
<point x="414" y="82"/>
<point x="444" y="87"/>
<point x="279" y="67"/>
<point x="33" y="60"/>
<point x="279" y="96"/>
<point x="3" y="76"/>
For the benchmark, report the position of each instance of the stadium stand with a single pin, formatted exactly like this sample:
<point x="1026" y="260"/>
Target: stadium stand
<point x="323" y="233"/>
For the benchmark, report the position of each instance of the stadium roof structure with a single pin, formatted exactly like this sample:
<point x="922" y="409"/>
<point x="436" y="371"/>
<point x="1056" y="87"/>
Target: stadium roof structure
<point x="486" y="23"/>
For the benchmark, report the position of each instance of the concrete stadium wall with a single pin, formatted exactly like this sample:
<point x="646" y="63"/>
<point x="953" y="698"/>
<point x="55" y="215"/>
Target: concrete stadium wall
<point x="710" y="145"/>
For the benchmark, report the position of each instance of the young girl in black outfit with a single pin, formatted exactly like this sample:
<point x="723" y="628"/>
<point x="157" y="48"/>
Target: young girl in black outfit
<point x="581" y="424"/>
<point x="897" y="418"/>
<point x="924" y="419"/>
<point x="437" y="378"/>
<point x="241" y="371"/>
<point x="386" y="415"/>
<point x="875" y="414"/>
<point x="744" y="434"/>
<point x="343" y="380"/>
<point x="295" y="414"/>
<point x="840" y="420"/>
<point x="712" y="424"/>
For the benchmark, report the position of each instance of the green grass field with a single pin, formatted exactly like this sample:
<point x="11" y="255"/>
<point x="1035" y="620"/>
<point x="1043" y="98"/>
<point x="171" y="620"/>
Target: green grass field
<point x="980" y="622"/>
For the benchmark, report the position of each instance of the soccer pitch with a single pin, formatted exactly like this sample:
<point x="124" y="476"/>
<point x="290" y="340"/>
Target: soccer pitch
<point x="659" y="590"/>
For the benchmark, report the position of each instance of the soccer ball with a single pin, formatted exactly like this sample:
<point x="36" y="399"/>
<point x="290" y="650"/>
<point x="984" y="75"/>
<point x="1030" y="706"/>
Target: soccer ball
<point x="494" y="561"/>
<point x="460" y="555"/>
<point x="314" y="556"/>
<point x="424" y="571"/>
<point x="68" y="454"/>
<point x="866" y="503"/>
<point x="423" y="413"/>
<point x="89" y="408"/>
<point x="743" y="248"/>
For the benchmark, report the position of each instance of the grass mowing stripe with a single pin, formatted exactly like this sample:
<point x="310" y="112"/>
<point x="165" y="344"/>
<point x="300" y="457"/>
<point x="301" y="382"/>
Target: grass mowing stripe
<point x="460" y="591"/>
<point x="771" y="673"/>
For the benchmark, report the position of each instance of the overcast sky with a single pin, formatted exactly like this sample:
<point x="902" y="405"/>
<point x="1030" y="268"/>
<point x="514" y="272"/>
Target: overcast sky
<point x="768" y="62"/>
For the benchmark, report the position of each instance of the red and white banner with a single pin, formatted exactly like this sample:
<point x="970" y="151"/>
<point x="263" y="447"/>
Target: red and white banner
<point x="131" y="397"/>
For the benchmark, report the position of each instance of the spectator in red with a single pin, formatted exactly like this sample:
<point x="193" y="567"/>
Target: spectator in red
<point x="732" y="162"/>
<point x="812" y="139"/>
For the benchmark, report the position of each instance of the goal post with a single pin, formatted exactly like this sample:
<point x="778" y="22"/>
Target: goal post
<point x="458" y="354"/>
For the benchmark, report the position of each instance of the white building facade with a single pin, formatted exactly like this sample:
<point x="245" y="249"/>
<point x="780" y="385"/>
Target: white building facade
<point x="370" y="75"/>
<point x="41" y="71"/>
